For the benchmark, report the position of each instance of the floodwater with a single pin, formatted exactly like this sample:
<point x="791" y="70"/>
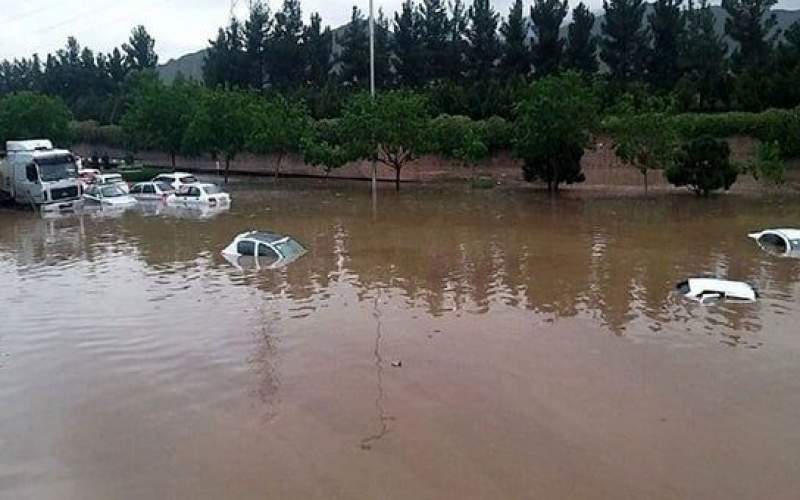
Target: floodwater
<point x="543" y="352"/>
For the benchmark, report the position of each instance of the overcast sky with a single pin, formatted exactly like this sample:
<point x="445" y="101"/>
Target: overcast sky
<point x="179" y="26"/>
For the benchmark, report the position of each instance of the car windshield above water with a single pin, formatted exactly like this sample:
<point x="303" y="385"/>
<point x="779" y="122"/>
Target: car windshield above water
<point x="57" y="167"/>
<point x="110" y="191"/>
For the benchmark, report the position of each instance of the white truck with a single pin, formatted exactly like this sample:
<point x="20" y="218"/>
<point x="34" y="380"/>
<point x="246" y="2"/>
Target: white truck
<point x="33" y="173"/>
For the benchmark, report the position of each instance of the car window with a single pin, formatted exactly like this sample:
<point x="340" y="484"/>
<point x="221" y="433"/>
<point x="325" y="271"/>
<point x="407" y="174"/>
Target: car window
<point x="163" y="186"/>
<point x="246" y="248"/>
<point x="164" y="178"/>
<point x="189" y="179"/>
<point x="265" y="251"/>
<point x="213" y="189"/>
<point x="149" y="189"/>
<point x="193" y="191"/>
<point x="773" y="242"/>
<point x="136" y="189"/>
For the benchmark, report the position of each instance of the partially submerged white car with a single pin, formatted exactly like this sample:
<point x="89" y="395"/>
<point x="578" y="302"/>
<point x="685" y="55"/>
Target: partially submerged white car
<point x="151" y="191"/>
<point x="112" y="179"/>
<point x="199" y="194"/>
<point x="261" y="249"/>
<point x="705" y="290"/>
<point x="785" y="242"/>
<point x="176" y="179"/>
<point x="109" y="195"/>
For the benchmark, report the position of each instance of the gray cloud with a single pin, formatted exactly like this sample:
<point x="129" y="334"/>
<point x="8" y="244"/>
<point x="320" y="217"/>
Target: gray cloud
<point x="179" y="26"/>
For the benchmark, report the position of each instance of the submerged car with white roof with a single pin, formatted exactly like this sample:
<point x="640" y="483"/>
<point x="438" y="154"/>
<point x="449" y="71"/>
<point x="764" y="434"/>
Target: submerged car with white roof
<point x="199" y="194"/>
<point x="151" y="191"/>
<point x="263" y="249"/>
<point x="784" y="242"/>
<point x="176" y="179"/>
<point x="108" y="195"/>
<point x="706" y="290"/>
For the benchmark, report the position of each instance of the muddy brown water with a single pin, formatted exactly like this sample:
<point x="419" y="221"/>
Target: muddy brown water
<point x="543" y="351"/>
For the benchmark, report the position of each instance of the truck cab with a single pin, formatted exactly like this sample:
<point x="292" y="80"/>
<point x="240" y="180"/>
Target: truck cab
<point x="34" y="173"/>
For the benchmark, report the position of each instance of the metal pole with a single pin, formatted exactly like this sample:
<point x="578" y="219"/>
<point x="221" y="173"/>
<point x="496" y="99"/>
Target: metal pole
<point x="372" y="86"/>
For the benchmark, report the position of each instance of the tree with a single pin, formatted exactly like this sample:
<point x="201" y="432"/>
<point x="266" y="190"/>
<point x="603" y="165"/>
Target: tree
<point x="457" y="45"/>
<point x="580" y="53"/>
<point x="407" y="45"/>
<point x="546" y="18"/>
<point x="220" y="124"/>
<point x="159" y="115"/>
<point x="484" y="48"/>
<point x="256" y="35"/>
<point x="515" y="59"/>
<point x="702" y="59"/>
<point x="390" y="129"/>
<point x="354" y="58"/>
<point x="434" y="33"/>
<point x="317" y="45"/>
<point x="323" y="145"/>
<point x="278" y="126"/>
<point x="667" y="24"/>
<point x="703" y="166"/>
<point x="625" y="41"/>
<point x="140" y="50"/>
<point x="552" y="128"/>
<point x="647" y="141"/>
<point x="285" y="54"/>
<point x="28" y="115"/>
<point x="226" y="62"/>
<point x="750" y="24"/>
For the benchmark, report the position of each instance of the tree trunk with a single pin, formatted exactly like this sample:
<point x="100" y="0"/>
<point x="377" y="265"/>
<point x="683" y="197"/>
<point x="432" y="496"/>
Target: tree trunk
<point x="644" y="174"/>
<point x="278" y="166"/>
<point x="397" y="178"/>
<point x="227" y="166"/>
<point x="172" y="159"/>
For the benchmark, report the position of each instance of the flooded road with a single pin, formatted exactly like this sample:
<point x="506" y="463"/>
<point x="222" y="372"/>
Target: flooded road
<point x="543" y="352"/>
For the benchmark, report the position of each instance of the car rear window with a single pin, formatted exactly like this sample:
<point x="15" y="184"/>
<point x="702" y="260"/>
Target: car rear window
<point x="189" y="179"/>
<point x="213" y="189"/>
<point x="163" y="186"/>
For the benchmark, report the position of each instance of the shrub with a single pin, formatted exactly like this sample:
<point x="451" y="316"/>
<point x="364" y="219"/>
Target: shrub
<point x="703" y="166"/>
<point x="496" y="133"/>
<point x="767" y="165"/>
<point x="448" y="133"/>
<point x="89" y="132"/>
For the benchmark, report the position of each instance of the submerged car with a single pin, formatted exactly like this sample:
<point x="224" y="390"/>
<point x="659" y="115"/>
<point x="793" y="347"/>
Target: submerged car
<point x="785" y="242"/>
<point x="151" y="191"/>
<point x="706" y="290"/>
<point x="199" y="194"/>
<point x="261" y="249"/>
<point x="176" y="179"/>
<point x="112" y="180"/>
<point x="107" y="195"/>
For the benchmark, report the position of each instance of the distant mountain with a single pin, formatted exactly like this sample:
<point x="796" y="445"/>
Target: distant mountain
<point x="191" y="65"/>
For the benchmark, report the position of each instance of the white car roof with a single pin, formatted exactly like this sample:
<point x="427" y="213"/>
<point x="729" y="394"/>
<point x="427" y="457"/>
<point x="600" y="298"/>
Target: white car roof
<point x="736" y="289"/>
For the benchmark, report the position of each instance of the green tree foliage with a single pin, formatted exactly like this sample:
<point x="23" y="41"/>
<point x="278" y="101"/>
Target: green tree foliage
<point x="580" y="53"/>
<point x="457" y="43"/>
<point x="647" y="141"/>
<point x="702" y="60"/>
<point x="552" y="128"/>
<point x="625" y="41"/>
<point x="354" y="59"/>
<point x="317" y="44"/>
<point x="546" y="19"/>
<point x="159" y="115"/>
<point x="226" y="62"/>
<point x="220" y="125"/>
<point x="257" y="30"/>
<point x="140" y="52"/>
<point x="435" y="28"/>
<point x="515" y="60"/>
<point x="484" y="47"/>
<point x="278" y="126"/>
<point x="752" y="27"/>
<point x="28" y="115"/>
<point x="407" y="45"/>
<point x="285" y="54"/>
<point x="666" y="23"/>
<point x="323" y="145"/>
<point x="703" y="166"/>
<point x="391" y="129"/>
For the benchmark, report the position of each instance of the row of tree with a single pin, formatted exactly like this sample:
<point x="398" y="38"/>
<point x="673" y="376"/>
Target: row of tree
<point x="469" y="60"/>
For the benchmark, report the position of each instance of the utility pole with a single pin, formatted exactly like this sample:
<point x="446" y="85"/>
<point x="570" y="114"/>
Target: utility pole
<point x="372" y="88"/>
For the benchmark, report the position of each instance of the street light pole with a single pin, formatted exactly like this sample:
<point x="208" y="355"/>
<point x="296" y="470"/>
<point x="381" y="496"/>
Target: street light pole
<point x="372" y="86"/>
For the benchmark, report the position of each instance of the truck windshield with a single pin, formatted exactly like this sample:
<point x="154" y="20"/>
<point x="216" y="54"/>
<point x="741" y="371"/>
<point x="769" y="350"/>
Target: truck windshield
<point x="55" y="168"/>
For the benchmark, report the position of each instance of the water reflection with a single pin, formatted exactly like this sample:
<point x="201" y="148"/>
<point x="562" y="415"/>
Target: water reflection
<point x="613" y="261"/>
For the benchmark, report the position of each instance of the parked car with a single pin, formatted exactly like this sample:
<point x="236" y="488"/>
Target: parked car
<point x="107" y="195"/>
<point x="86" y="176"/>
<point x="147" y="191"/>
<point x="176" y="179"/>
<point x="785" y="242"/>
<point x="199" y="194"/>
<point x="112" y="179"/>
<point x="705" y="290"/>
<point x="262" y="249"/>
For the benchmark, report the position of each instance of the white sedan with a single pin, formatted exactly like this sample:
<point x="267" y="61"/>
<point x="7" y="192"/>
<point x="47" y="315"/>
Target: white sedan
<point x="151" y="191"/>
<point x="199" y="195"/>
<point x="113" y="180"/>
<point x="709" y="290"/>
<point x="176" y="179"/>
<point x="108" y="195"/>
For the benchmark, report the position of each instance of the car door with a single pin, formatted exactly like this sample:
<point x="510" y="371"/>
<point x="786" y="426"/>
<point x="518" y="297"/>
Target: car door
<point x="149" y="192"/>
